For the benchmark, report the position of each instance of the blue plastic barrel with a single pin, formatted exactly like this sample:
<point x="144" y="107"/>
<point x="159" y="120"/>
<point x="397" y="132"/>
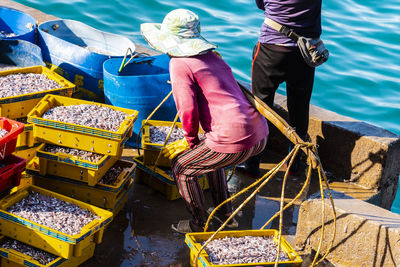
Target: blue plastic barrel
<point x="20" y="53"/>
<point x="17" y="23"/>
<point x="141" y="86"/>
<point x="77" y="52"/>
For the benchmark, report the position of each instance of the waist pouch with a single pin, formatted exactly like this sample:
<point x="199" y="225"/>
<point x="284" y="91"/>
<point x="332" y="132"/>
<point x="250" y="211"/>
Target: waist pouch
<point x="312" y="49"/>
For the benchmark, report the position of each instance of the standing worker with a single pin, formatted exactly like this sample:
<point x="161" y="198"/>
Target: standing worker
<point x="206" y="94"/>
<point x="277" y="59"/>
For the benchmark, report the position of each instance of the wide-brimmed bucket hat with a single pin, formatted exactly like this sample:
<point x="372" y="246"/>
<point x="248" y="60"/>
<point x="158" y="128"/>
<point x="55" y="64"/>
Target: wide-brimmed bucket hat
<point x="178" y="35"/>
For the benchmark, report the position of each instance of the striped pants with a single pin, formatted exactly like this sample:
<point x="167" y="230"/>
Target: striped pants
<point x="192" y="163"/>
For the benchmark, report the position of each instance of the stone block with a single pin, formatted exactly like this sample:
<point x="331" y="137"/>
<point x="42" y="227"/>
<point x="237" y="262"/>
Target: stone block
<point x="366" y="235"/>
<point x="351" y="150"/>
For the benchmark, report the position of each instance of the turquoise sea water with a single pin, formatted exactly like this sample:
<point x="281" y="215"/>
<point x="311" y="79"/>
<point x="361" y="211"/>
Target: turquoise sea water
<point x="360" y="80"/>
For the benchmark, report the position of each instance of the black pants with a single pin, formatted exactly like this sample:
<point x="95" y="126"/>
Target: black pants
<point x="273" y="65"/>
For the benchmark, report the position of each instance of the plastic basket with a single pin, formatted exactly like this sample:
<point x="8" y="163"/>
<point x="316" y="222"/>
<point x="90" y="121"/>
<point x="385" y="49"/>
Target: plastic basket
<point x="13" y="258"/>
<point x="100" y="195"/>
<point x="14" y="107"/>
<point x="9" y="141"/>
<point x="10" y="175"/>
<point x="68" y="166"/>
<point x="151" y="150"/>
<point x="194" y="240"/>
<point x="160" y="180"/>
<point x="146" y="133"/>
<point x="78" y="136"/>
<point x="45" y="238"/>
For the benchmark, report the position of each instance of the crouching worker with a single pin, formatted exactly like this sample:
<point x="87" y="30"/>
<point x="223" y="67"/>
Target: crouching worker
<point x="206" y="94"/>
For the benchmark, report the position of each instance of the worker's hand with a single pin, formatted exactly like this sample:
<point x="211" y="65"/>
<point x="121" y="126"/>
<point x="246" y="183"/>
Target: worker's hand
<point x="175" y="148"/>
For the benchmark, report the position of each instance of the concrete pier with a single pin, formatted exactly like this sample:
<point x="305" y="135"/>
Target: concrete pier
<point x="363" y="165"/>
<point x="354" y="152"/>
<point x="366" y="235"/>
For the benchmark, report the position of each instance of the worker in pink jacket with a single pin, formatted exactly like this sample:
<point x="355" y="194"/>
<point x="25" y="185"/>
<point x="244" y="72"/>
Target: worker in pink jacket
<point x="207" y="96"/>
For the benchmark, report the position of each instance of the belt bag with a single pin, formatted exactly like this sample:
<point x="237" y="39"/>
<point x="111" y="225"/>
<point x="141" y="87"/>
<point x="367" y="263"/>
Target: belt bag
<point x="312" y="49"/>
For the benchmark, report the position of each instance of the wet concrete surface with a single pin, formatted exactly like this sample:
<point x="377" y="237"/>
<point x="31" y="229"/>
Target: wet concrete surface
<point x="141" y="235"/>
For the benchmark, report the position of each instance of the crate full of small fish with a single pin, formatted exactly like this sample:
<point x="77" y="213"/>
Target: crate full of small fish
<point x="72" y="163"/>
<point x="241" y="248"/>
<point x="10" y="172"/>
<point x="22" y="88"/>
<point x="161" y="180"/>
<point x="104" y="194"/>
<point x="15" y="253"/>
<point x="9" y="131"/>
<point x="154" y="134"/>
<point x="55" y="223"/>
<point x="81" y="124"/>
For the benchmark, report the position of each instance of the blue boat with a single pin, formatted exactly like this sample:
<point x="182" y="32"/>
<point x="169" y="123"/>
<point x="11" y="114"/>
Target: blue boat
<point x="20" y="53"/>
<point x="15" y="24"/>
<point x="77" y="52"/>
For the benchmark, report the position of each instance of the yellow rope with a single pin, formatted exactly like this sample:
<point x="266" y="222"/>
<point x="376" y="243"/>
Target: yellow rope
<point x="281" y="204"/>
<point x="321" y="171"/>
<point x="322" y="218"/>
<point x="165" y="142"/>
<point x="267" y="177"/>
<point x="148" y="118"/>
<point x="293" y="200"/>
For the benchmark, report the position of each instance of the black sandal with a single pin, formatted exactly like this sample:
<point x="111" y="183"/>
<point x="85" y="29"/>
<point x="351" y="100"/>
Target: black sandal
<point x="185" y="226"/>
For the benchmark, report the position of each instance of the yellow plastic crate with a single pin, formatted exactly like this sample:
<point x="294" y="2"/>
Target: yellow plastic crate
<point x="45" y="238"/>
<point x="15" y="107"/>
<point x="100" y="195"/>
<point x="13" y="258"/>
<point x="151" y="150"/>
<point x="194" y="240"/>
<point x="25" y="139"/>
<point x="146" y="132"/>
<point x="78" y="136"/>
<point x="68" y="166"/>
<point x="25" y="152"/>
<point x="160" y="181"/>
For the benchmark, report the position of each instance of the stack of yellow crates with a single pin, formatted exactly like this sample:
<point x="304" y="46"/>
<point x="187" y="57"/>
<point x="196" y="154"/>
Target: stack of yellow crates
<point x="66" y="250"/>
<point x="75" y="177"/>
<point x="158" y="176"/>
<point x="17" y="108"/>
<point x="70" y="179"/>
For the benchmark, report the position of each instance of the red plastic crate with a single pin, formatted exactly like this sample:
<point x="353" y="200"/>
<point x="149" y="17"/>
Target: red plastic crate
<point x="9" y="141"/>
<point x="10" y="174"/>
